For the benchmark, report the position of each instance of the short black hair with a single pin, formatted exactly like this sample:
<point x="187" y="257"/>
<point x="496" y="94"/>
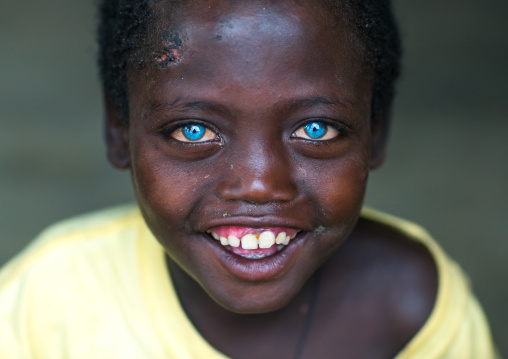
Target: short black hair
<point x="124" y="25"/>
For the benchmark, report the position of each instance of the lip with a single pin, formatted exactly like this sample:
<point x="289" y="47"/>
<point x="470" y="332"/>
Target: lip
<point x="254" y="222"/>
<point x="257" y="270"/>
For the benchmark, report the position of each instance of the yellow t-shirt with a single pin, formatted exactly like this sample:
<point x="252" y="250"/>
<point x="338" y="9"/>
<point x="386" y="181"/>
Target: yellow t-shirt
<point x="97" y="287"/>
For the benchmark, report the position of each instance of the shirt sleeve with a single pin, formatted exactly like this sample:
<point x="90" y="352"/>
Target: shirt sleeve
<point x="473" y="339"/>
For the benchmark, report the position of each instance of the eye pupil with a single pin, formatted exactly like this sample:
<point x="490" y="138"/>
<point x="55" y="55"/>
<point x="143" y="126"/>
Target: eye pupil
<point x="315" y="129"/>
<point x="193" y="132"/>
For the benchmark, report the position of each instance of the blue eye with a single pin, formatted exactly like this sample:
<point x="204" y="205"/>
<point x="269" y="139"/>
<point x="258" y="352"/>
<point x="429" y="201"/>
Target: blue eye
<point x="315" y="130"/>
<point x="194" y="132"/>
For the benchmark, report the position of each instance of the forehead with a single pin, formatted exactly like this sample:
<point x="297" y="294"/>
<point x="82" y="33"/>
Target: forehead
<point x="265" y="44"/>
<point x="220" y="11"/>
<point x="251" y="31"/>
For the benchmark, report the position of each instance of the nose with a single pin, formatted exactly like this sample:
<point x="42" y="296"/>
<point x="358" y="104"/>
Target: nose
<point x="258" y="175"/>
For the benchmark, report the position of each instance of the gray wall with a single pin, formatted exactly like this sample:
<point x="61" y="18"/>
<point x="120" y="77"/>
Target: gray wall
<point x="446" y="166"/>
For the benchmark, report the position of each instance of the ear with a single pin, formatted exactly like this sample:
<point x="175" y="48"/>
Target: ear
<point x="117" y="136"/>
<point x="380" y="128"/>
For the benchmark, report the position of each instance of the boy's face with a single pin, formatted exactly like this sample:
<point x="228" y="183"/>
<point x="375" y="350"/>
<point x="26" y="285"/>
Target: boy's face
<point x="263" y="123"/>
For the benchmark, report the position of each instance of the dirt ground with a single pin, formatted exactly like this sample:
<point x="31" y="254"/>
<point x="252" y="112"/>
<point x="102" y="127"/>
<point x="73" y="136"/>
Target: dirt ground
<point x="447" y="165"/>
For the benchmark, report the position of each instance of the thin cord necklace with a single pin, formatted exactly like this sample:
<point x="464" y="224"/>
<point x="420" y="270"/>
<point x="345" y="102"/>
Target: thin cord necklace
<point x="310" y="315"/>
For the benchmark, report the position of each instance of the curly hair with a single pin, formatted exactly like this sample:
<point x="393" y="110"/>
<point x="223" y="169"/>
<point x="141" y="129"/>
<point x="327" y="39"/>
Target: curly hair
<point x="124" y="26"/>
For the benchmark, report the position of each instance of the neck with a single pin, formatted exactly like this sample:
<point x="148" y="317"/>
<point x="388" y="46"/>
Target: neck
<point x="232" y="333"/>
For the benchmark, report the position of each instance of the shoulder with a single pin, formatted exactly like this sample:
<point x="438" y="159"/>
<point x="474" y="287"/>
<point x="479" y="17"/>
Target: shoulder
<point x="67" y="245"/>
<point x="404" y="266"/>
<point x="87" y="225"/>
<point x="391" y="280"/>
<point x="456" y="326"/>
<point x="84" y="227"/>
<point x="79" y="277"/>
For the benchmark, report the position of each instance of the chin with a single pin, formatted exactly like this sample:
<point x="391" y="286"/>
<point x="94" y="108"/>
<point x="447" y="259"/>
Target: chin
<point x="257" y="298"/>
<point x="254" y="307"/>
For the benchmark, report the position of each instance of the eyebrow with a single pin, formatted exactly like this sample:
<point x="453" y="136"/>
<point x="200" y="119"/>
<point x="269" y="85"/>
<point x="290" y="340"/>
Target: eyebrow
<point x="180" y="104"/>
<point x="317" y="101"/>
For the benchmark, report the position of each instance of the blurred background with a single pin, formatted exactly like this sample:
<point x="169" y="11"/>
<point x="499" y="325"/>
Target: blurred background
<point x="447" y="164"/>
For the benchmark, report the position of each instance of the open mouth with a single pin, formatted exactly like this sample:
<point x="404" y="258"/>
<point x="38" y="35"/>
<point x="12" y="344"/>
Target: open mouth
<point x="253" y="243"/>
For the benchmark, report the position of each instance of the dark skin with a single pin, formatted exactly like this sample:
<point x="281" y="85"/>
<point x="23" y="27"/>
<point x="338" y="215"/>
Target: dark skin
<point x="253" y="75"/>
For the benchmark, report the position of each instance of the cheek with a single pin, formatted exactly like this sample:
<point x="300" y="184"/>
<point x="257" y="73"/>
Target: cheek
<point x="338" y="197"/>
<point x="167" y="197"/>
<point x="165" y="190"/>
<point x="338" y="189"/>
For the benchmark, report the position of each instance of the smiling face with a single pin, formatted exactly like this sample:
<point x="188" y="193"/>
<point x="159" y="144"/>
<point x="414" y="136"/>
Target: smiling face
<point x="261" y="127"/>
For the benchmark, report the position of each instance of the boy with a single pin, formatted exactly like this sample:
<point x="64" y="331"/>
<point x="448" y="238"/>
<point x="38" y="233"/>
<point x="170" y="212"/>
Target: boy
<point x="249" y="129"/>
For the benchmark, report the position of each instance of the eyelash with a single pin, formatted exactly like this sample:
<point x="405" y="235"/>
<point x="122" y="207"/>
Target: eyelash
<point x="337" y="131"/>
<point x="180" y="128"/>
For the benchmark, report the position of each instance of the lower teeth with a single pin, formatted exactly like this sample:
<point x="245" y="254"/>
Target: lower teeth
<point x="254" y="256"/>
<point x="257" y="255"/>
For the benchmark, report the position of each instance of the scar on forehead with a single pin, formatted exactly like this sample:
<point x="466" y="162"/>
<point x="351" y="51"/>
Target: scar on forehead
<point x="171" y="52"/>
<point x="168" y="56"/>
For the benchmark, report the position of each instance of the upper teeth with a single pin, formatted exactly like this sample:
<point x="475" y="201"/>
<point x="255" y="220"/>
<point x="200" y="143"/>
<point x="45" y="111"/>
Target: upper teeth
<point x="233" y="241"/>
<point x="266" y="239"/>
<point x="249" y="241"/>
<point x="281" y="238"/>
<point x="252" y="241"/>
